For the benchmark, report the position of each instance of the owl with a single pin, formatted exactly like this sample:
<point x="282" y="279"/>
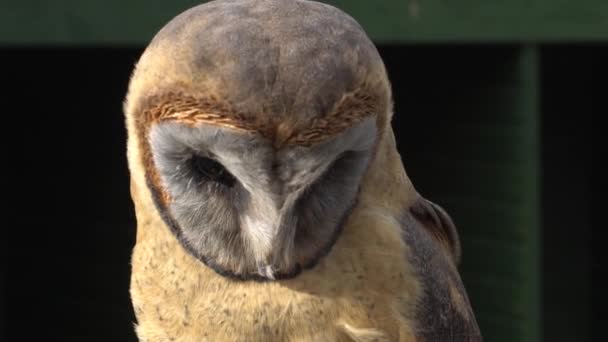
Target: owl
<point x="271" y="201"/>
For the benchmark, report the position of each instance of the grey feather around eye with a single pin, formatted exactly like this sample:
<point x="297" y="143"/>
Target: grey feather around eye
<point x="254" y="212"/>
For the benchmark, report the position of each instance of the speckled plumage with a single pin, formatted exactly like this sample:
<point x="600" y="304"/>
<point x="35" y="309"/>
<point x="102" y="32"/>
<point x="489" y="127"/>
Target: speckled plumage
<point x="297" y="73"/>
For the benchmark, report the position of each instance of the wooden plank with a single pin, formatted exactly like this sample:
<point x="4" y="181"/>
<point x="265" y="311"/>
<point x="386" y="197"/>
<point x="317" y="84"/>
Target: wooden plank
<point x="479" y="20"/>
<point x="136" y="21"/>
<point x="86" y="22"/>
<point x="530" y="209"/>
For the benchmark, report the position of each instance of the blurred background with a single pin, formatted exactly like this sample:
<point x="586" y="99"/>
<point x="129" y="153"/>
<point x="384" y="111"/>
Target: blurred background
<point x="497" y="118"/>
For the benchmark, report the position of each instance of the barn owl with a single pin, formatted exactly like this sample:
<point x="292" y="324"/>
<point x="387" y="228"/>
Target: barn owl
<point x="271" y="201"/>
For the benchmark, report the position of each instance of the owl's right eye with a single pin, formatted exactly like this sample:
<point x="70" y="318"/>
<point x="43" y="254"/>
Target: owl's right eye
<point x="210" y="170"/>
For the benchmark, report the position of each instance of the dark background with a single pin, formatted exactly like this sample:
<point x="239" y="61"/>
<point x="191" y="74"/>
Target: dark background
<point x="66" y="246"/>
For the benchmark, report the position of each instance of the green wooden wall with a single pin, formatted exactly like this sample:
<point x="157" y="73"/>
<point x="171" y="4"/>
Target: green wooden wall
<point x="489" y="96"/>
<point x="135" y="21"/>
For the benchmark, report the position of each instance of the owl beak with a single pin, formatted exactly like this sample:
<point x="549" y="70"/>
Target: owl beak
<point x="261" y="223"/>
<point x="269" y="221"/>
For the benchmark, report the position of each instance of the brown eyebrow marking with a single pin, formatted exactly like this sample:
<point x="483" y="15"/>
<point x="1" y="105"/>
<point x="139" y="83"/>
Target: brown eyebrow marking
<point x="191" y="110"/>
<point x="352" y="108"/>
<point x="182" y="107"/>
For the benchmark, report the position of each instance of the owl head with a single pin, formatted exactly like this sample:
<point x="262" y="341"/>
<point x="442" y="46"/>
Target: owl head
<point x="254" y="126"/>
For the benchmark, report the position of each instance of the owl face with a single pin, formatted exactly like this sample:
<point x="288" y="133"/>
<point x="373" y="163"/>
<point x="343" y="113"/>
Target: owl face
<point x="249" y="209"/>
<point x="254" y="122"/>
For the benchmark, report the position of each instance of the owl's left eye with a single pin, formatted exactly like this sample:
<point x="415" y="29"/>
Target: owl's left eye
<point x="210" y="170"/>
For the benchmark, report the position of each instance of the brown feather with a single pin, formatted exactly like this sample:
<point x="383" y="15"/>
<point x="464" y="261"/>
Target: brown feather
<point x="439" y="223"/>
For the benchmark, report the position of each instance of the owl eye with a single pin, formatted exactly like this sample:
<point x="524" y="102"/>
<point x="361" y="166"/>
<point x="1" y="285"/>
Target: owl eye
<point x="210" y="170"/>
